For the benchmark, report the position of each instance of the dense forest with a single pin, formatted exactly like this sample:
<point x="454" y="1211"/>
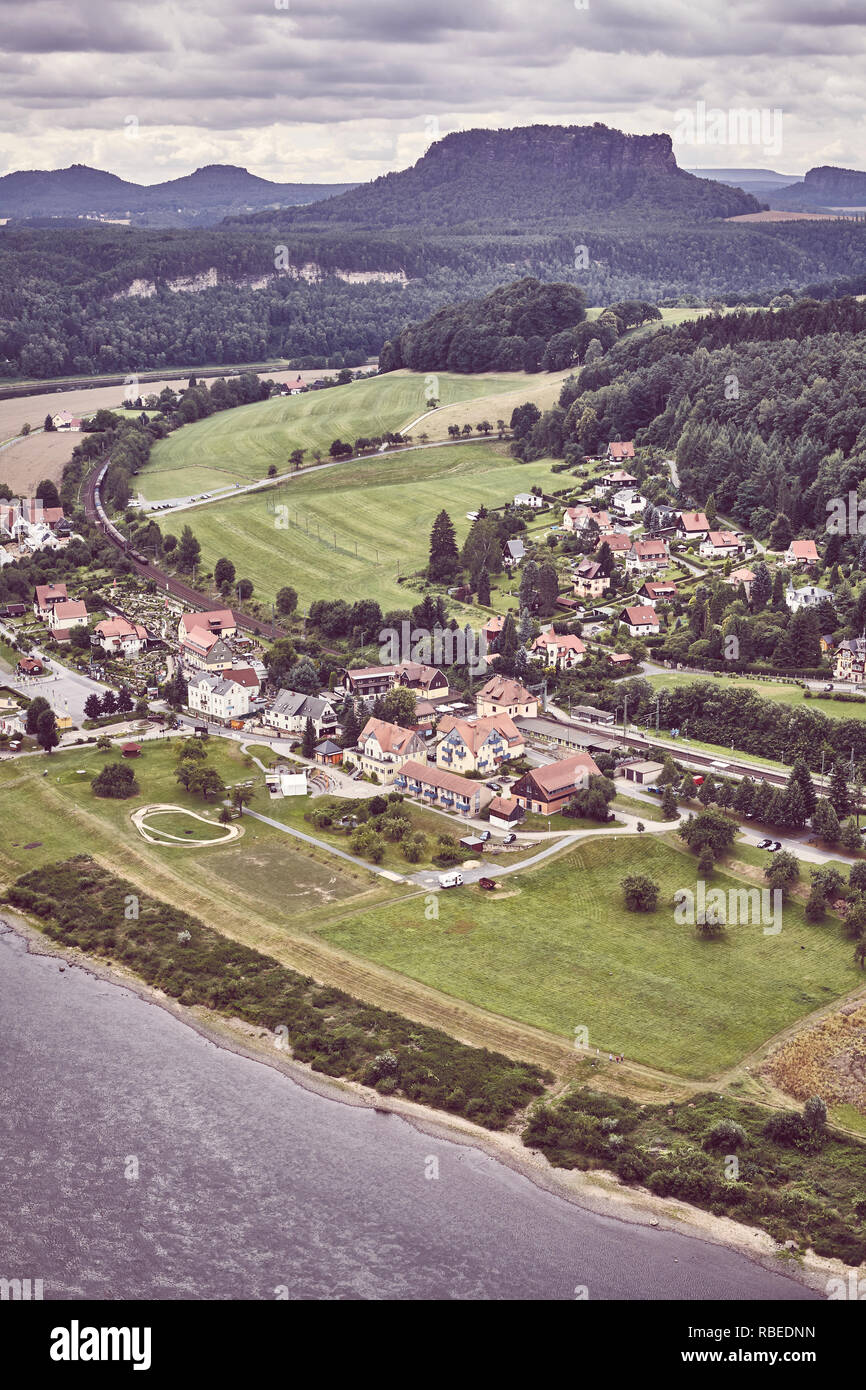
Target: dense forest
<point x="765" y="411"/>
<point x="608" y="215"/>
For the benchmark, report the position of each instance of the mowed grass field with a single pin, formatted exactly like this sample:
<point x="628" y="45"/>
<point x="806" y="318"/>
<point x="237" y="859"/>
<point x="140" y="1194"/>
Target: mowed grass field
<point x="48" y="812"/>
<point x="351" y="531"/>
<point x="239" y="446"/>
<point x="791" y="695"/>
<point x="558" y="950"/>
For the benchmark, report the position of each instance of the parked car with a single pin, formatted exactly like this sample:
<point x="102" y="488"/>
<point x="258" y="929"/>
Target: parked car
<point x="656" y="791"/>
<point x="773" y="846"/>
<point x="493" y="786"/>
<point x="828" y="687"/>
<point x="511" y="837"/>
<point x="484" y="835"/>
<point x="764" y="844"/>
<point x="698" y="781"/>
<point x="488" y="883"/>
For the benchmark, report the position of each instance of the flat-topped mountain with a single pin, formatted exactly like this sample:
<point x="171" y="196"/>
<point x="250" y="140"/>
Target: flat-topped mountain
<point x="539" y="175"/>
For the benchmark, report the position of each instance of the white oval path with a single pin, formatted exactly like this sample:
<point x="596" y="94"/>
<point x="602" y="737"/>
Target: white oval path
<point x="162" y="837"/>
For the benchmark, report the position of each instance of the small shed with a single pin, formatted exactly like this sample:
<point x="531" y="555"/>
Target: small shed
<point x="640" y="770"/>
<point x="328" y="752"/>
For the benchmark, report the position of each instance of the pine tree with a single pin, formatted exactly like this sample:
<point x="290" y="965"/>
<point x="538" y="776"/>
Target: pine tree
<point x="444" y="556"/>
<point x="484" y="588"/>
<point x="351" y="728"/>
<point x="838" y="791"/>
<point x="801" y="775"/>
<point x="850" y="836"/>
<point x="669" y="803"/>
<point x="308" y="742"/>
<point x="825" y="822"/>
<point x="762" y="587"/>
<point x="744" y="796"/>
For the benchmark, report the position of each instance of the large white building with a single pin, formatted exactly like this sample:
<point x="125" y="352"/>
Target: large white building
<point x="291" y="710"/>
<point x="218" y="697"/>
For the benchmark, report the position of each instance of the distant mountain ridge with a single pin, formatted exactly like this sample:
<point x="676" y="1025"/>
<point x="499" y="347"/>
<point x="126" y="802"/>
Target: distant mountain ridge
<point x="825" y="187"/>
<point x="541" y="175"/>
<point x="201" y="198"/>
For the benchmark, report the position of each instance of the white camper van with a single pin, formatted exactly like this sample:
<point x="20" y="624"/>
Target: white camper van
<point x="452" y="880"/>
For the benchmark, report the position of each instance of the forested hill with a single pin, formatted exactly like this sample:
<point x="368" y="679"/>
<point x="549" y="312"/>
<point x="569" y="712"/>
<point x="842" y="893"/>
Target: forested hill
<point x="539" y="176"/>
<point x="764" y="411"/>
<point x="201" y="198"/>
<point x="824" y="187"/>
<point x="507" y="330"/>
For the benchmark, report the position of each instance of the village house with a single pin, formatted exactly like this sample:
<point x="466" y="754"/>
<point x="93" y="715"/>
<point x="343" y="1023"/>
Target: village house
<point x="211" y="695"/>
<point x="802" y="553"/>
<point x="245" y="676"/>
<point x="67" y="614"/>
<point x="589" y="582"/>
<point x="503" y="696"/>
<point x="808" y="597"/>
<point x="64" y="420"/>
<point x="619" y="544"/>
<point x="365" y="681"/>
<point x="219" y="622"/>
<point x="849" y="663"/>
<point x="619" y="659"/>
<point x="580" y="517"/>
<point x="291" y="710"/>
<point x="547" y="789"/>
<point x="119" y="637"/>
<point x="719" y="545"/>
<point x="620" y="449"/>
<point x="513" y="552"/>
<point x="743" y="576"/>
<point x="529" y="499"/>
<point x="204" y="651"/>
<point x="692" y="526"/>
<point x="628" y="501"/>
<point x="440" y="788"/>
<point x="557" y="650"/>
<point x="647" y="556"/>
<point x="383" y="748"/>
<point x="477" y="745"/>
<point x="640" y="620"/>
<point x="45" y="597"/>
<point x="492" y="628"/>
<point x="655" y="591"/>
<point x="29" y="666"/>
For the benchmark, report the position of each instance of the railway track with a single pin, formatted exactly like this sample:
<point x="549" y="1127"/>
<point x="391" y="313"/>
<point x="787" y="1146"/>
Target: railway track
<point x="94" y="511"/>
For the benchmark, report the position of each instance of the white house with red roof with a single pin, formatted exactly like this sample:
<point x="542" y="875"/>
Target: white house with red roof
<point x="620" y="449"/>
<point x="503" y="696"/>
<point x="802" y="553"/>
<point x="120" y="637"/>
<point x="692" y="526"/>
<point x="648" y="556"/>
<point x="657" y="591"/>
<point x="383" y="748"/>
<point x="641" y="620"/>
<point x="46" y="597"/>
<point x="219" y="622"/>
<point x="556" y="649"/>
<point x="743" y="576"/>
<point x="67" y="614"/>
<point x="719" y="545"/>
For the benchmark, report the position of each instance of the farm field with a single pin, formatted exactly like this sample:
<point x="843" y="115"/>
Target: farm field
<point x="377" y="513"/>
<point x="791" y="695"/>
<point x="240" y="445"/>
<point x="541" y="387"/>
<point x="562" y="952"/>
<point x="28" y="460"/>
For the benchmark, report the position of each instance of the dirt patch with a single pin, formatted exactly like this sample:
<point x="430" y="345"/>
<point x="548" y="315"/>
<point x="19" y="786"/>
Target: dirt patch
<point x="26" y="462"/>
<point x="828" y="1059"/>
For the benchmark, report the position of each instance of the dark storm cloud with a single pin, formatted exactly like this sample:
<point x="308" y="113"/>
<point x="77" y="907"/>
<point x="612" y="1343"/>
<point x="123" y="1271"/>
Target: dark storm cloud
<point x="348" y="88"/>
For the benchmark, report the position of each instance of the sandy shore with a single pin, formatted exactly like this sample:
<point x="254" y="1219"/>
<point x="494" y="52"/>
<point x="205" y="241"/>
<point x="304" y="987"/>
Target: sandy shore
<point x="597" y="1191"/>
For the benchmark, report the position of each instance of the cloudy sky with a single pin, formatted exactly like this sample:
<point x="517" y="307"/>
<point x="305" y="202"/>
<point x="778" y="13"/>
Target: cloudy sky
<point x="343" y="90"/>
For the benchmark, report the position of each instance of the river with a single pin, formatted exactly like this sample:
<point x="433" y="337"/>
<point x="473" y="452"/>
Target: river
<point x="142" y="1160"/>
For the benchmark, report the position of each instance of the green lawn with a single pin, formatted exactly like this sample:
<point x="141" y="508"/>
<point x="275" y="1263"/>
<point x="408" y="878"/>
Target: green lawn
<point x="377" y="513"/>
<point x="562" y="952"/>
<point x="240" y="445"/>
<point x="264" y="872"/>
